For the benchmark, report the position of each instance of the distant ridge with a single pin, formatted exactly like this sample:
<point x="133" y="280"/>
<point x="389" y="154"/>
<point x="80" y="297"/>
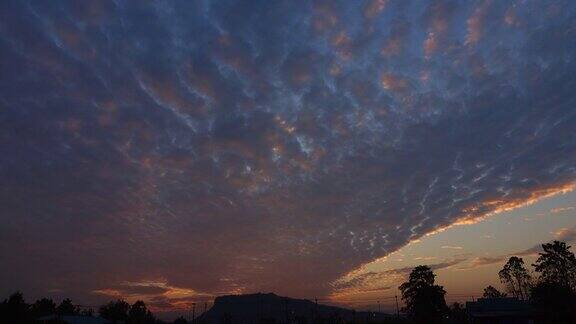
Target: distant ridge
<point x="271" y="308"/>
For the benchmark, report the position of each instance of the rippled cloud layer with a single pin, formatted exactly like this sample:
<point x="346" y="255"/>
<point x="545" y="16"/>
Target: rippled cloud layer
<point x="233" y="146"/>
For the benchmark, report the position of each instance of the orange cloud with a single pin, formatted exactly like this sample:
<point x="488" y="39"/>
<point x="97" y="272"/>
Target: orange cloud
<point x="175" y="298"/>
<point x="430" y="44"/>
<point x="325" y="16"/>
<point x="393" y="82"/>
<point x="476" y="23"/>
<point x="561" y="209"/>
<point x="451" y="247"/>
<point x="374" y="8"/>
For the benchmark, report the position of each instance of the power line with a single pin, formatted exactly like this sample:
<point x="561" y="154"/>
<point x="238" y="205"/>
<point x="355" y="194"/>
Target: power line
<point x="397" y="309"/>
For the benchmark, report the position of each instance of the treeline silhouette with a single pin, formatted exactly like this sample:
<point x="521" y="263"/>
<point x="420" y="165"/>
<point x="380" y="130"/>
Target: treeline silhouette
<point x="549" y="289"/>
<point x="15" y="310"/>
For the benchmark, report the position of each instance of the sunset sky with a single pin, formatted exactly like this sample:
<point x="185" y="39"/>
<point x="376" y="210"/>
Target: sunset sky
<point x="174" y="151"/>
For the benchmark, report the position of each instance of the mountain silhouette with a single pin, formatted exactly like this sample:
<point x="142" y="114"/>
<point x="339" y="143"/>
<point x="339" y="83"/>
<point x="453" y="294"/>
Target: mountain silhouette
<point x="271" y="308"/>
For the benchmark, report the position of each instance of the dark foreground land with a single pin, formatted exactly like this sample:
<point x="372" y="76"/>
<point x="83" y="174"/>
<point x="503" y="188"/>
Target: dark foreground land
<point x="270" y="308"/>
<point x="550" y="297"/>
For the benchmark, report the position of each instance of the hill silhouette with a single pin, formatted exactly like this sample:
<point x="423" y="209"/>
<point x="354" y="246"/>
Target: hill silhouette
<point x="271" y="308"/>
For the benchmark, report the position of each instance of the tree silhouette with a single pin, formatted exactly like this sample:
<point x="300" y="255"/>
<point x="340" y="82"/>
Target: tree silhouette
<point x="87" y="312"/>
<point x="491" y="292"/>
<point x="424" y="300"/>
<point x="42" y="307"/>
<point x="180" y="320"/>
<point x="457" y="314"/>
<point x="139" y="314"/>
<point x="14" y="309"/>
<point x="516" y="278"/>
<point x="554" y="302"/>
<point x="554" y="295"/>
<point x="115" y="311"/>
<point x="557" y="264"/>
<point x="67" y="308"/>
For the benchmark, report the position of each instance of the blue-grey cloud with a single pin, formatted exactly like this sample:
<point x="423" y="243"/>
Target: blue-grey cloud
<point x="268" y="145"/>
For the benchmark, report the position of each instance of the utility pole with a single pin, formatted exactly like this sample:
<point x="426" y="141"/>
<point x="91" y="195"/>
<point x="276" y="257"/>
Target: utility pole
<point x="315" y="307"/>
<point x="259" y="308"/>
<point x="286" y="308"/>
<point x="379" y="307"/>
<point x="397" y="309"/>
<point x="193" y="312"/>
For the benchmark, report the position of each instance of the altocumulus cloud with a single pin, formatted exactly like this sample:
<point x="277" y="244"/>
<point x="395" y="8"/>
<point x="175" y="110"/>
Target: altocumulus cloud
<point x="229" y="146"/>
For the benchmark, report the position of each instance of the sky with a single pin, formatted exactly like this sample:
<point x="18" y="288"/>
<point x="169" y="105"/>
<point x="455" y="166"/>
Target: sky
<point x="466" y="258"/>
<point x="178" y="150"/>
